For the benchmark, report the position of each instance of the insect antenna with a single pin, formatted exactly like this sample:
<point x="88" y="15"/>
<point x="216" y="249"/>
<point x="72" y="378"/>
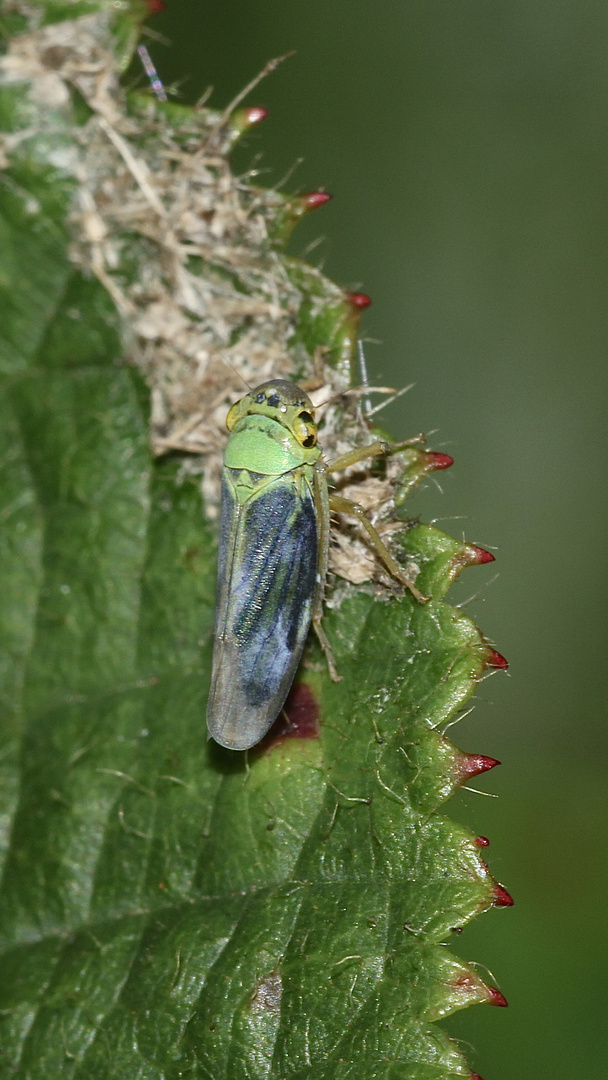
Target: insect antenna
<point x="389" y="401"/>
<point x="356" y="391"/>
<point x="237" y="373"/>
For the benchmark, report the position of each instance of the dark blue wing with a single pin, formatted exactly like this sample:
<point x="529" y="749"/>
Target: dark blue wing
<point x="266" y="586"/>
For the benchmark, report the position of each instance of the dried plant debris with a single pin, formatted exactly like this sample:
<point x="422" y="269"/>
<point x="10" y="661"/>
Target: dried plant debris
<point x="192" y="256"/>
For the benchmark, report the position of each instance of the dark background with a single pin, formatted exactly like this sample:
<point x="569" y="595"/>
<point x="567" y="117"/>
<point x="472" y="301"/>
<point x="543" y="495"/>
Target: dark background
<point x="466" y="144"/>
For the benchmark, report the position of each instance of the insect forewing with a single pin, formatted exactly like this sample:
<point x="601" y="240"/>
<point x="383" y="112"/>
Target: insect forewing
<point x="266" y="586"/>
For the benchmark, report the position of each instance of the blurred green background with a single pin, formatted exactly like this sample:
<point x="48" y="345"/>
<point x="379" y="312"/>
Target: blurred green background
<point x="466" y="144"/>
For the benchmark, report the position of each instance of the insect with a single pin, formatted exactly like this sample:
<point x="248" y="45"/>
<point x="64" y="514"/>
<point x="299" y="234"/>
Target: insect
<point x="273" y="556"/>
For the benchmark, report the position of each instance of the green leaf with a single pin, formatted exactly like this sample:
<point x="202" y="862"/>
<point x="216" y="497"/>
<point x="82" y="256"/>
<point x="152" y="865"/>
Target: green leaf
<point x="169" y="909"/>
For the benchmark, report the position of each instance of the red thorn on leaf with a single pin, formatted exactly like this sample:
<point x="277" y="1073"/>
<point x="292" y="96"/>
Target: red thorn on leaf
<point x="479" y="555"/>
<point x="242" y="120"/>
<point x="501" y="897"/>
<point x="473" y="765"/>
<point x="155" y="7"/>
<point x="359" y="300"/>
<point x="468" y="983"/>
<point x="495" y="660"/>
<point x="255" y="114"/>
<point x="482" y="841"/>
<point x="496" y="998"/>
<point x="314" y="199"/>
<point x="439" y="461"/>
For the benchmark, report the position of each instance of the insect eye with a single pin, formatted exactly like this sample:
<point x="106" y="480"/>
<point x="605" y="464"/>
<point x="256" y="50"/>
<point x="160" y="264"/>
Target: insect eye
<point x="233" y="416"/>
<point x="307" y="433"/>
<point x="260" y="398"/>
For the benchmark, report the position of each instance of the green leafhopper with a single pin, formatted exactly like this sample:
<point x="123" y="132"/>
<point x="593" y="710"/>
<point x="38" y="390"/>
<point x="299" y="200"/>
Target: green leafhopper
<point x="273" y="557"/>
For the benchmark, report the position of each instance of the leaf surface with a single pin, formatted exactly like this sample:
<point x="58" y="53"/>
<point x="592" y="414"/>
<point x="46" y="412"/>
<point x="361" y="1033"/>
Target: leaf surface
<point x="169" y="909"/>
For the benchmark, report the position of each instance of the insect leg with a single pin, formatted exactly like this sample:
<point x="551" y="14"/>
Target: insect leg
<point x="323" y="525"/>
<point x="375" y="449"/>
<point x="345" y="506"/>
<point x="324" y="643"/>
